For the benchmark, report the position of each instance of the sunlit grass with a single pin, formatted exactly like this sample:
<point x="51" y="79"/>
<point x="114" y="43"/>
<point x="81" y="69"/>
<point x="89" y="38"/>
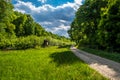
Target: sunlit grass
<point x="51" y="63"/>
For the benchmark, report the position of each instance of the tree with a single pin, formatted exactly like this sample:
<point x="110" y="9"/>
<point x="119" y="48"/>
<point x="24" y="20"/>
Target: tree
<point x="97" y="24"/>
<point x="29" y="26"/>
<point x="39" y="30"/>
<point x="109" y="26"/>
<point x="84" y="27"/>
<point x="19" y="22"/>
<point x="6" y="17"/>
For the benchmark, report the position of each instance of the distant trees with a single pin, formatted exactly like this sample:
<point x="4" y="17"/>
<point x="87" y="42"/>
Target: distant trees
<point x="6" y="17"/>
<point x="20" y="31"/>
<point x="97" y="25"/>
<point x="16" y="23"/>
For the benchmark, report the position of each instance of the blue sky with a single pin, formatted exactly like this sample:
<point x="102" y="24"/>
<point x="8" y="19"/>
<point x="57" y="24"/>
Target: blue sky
<point x="42" y="2"/>
<point x="54" y="15"/>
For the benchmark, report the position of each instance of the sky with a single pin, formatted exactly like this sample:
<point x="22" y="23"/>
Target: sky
<point x="54" y="15"/>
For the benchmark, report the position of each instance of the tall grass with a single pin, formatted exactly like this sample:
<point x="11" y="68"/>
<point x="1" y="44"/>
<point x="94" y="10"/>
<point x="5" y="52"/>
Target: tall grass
<point x="51" y="63"/>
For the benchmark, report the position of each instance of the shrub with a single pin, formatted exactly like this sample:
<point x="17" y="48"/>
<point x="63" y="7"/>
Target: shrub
<point x="30" y="42"/>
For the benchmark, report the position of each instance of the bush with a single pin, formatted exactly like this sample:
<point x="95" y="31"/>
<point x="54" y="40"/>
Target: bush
<point x="30" y="42"/>
<point x="21" y="43"/>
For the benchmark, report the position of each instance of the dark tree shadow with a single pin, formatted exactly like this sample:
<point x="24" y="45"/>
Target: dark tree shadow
<point x="66" y="57"/>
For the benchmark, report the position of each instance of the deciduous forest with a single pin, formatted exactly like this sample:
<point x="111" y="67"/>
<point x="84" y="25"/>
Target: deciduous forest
<point x="97" y="25"/>
<point x="20" y="31"/>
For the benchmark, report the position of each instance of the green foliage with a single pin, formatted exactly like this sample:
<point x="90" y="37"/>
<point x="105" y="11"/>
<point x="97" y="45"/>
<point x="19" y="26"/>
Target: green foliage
<point x="30" y="42"/>
<point x="2" y="28"/>
<point x="39" y="31"/>
<point x="20" y="31"/>
<point x="29" y="26"/>
<point x="97" y="24"/>
<point x="109" y="27"/>
<point x="50" y="63"/>
<point x="19" y="22"/>
<point x="21" y="42"/>
<point x="83" y="28"/>
<point x="56" y="42"/>
<point x="5" y="10"/>
<point x="6" y="16"/>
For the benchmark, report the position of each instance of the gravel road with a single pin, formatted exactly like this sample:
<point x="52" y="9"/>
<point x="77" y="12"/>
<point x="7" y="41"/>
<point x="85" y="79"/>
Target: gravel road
<point x="107" y="68"/>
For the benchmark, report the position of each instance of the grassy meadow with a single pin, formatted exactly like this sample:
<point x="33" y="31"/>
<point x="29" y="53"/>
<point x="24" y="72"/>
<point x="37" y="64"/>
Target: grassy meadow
<point x="50" y="63"/>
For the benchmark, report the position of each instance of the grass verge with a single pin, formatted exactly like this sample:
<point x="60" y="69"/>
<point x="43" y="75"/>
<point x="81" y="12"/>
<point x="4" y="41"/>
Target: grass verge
<point x="108" y="55"/>
<point x="50" y="63"/>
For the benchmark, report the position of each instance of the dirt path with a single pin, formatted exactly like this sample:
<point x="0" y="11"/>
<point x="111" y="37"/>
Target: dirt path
<point x="104" y="66"/>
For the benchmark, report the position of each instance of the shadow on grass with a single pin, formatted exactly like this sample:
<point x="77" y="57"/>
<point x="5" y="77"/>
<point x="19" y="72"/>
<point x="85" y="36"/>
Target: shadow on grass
<point x="66" y="57"/>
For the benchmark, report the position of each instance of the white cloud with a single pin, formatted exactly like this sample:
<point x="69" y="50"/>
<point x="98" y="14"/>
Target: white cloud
<point x="42" y="1"/>
<point x="78" y="2"/>
<point x="61" y="30"/>
<point x="54" y="19"/>
<point x="24" y="6"/>
<point x="62" y="21"/>
<point x="72" y="5"/>
<point x="61" y="27"/>
<point x="46" y="23"/>
<point x="22" y="11"/>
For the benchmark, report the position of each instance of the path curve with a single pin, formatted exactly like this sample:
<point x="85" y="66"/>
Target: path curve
<point x="107" y="68"/>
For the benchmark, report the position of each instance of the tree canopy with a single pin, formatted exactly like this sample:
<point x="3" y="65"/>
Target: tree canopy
<point x="20" y="31"/>
<point x="97" y="25"/>
<point x="13" y="23"/>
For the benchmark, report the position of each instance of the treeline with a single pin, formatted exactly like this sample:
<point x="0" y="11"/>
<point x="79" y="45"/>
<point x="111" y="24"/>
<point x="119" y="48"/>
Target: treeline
<point x="97" y="25"/>
<point x="20" y="31"/>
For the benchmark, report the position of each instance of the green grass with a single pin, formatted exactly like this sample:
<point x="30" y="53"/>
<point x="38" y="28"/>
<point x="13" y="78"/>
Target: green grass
<point x="108" y="55"/>
<point x="51" y="63"/>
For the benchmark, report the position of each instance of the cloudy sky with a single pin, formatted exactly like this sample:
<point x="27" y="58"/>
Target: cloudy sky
<point x="54" y="15"/>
